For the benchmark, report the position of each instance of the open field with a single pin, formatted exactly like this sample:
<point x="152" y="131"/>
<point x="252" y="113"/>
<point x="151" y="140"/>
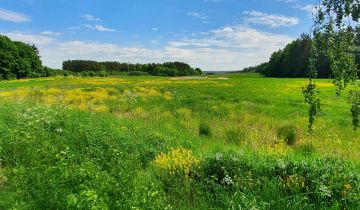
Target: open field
<point x="153" y="142"/>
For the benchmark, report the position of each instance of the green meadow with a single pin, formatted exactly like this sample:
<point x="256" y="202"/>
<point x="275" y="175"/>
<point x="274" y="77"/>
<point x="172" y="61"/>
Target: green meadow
<point x="233" y="141"/>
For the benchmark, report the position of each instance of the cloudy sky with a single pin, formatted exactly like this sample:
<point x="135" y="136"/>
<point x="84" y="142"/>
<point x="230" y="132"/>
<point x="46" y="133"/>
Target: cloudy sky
<point x="210" y="34"/>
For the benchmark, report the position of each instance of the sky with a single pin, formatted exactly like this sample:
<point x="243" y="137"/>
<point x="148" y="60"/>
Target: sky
<point x="214" y="35"/>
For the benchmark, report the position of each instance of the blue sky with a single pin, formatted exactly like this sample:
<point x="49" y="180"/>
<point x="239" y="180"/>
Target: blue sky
<point x="210" y="34"/>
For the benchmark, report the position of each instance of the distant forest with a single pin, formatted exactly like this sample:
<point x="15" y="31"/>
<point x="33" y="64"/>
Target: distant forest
<point x="293" y="60"/>
<point x="19" y="60"/>
<point x="112" y="67"/>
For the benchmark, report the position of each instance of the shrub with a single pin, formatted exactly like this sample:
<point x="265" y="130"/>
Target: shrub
<point x="103" y="74"/>
<point x="204" y="129"/>
<point x="84" y="74"/>
<point x="288" y="133"/>
<point x="92" y="74"/>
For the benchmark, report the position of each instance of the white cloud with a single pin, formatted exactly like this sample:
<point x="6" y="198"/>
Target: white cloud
<point x="12" y="16"/>
<point x="54" y="55"/>
<point x="228" y="29"/>
<point x="30" y="38"/>
<point x="260" y="18"/>
<point x="50" y="33"/>
<point x="227" y="48"/>
<point x="89" y="17"/>
<point x="310" y="9"/>
<point x="155" y="29"/>
<point x="99" y="28"/>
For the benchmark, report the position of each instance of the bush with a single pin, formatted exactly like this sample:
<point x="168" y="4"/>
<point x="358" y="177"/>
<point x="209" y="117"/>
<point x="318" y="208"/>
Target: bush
<point x="103" y="74"/>
<point x="84" y="74"/>
<point x="288" y="133"/>
<point x="92" y="74"/>
<point x="204" y="129"/>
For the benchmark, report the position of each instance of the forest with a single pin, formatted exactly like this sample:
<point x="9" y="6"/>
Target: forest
<point x="293" y="60"/>
<point x="20" y="60"/>
<point x="166" y="69"/>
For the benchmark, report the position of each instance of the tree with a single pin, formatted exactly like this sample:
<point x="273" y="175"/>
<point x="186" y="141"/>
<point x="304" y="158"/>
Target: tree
<point x="334" y="35"/>
<point x="18" y="60"/>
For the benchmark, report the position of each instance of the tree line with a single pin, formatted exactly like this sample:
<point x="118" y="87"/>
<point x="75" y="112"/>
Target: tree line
<point x="19" y="60"/>
<point x="113" y="67"/>
<point x="293" y="60"/>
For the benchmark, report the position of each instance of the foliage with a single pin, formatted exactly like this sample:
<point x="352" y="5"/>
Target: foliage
<point x="311" y="98"/>
<point x="18" y="60"/>
<point x="355" y="108"/>
<point x="165" y="69"/>
<point x="334" y="31"/>
<point x="293" y="61"/>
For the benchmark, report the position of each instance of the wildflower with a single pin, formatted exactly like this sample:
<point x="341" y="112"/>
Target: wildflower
<point x="227" y="180"/>
<point x="177" y="160"/>
<point x="218" y="156"/>
<point x="58" y="130"/>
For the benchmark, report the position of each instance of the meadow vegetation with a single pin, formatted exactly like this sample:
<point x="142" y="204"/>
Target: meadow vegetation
<point x="158" y="143"/>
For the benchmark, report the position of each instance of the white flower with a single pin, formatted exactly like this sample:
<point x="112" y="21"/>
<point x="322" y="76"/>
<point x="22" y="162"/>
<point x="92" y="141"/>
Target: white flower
<point x="228" y="180"/>
<point x="59" y="130"/>
<point x="218" y="156"/>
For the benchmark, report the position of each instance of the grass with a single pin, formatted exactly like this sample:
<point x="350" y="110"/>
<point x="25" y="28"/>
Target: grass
<point x="153" y="142"/>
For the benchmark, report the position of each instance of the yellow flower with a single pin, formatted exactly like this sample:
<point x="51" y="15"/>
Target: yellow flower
<point x="101" y="108"/>
<point x="177" y="160"/>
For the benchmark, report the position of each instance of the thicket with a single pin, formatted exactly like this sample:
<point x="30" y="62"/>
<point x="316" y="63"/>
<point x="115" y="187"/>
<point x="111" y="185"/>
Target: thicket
<point x="156" y="69"/>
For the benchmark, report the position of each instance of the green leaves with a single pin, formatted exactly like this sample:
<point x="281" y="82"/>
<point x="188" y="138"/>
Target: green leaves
<point x="311" y="98"/>
<point x="335" y="32"/>
<point x="18" y="60"/>
<point x="355" y="108"/>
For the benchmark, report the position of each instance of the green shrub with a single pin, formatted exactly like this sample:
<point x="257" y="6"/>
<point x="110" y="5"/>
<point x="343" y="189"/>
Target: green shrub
<point x="84" y="74"/>
<point x="288" y="133"/>
<point x="103" y="74"/>
<point x="92" y="74"/>
<point x="204" y="129"/>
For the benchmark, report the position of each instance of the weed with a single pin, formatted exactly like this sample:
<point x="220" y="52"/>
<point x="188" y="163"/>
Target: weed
<point x="288" y="133"/>
<point x="204" y="129"/>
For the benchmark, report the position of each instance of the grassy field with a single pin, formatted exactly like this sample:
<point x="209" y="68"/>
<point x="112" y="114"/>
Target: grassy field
<point x="237" y="141"/>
